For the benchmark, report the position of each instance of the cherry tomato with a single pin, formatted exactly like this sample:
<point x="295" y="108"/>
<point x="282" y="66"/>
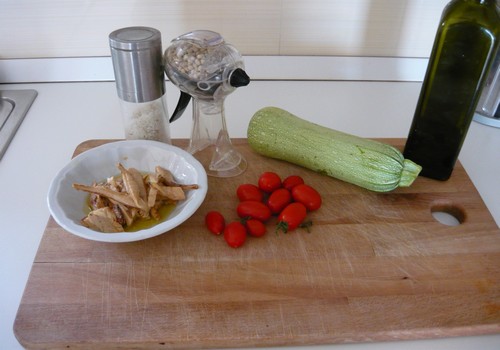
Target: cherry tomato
<point x="307" y="195"/>
<point x="291" y="217"/>
<point x="215" y="222"/>
<point x="278" y="200"/>
<point x="249" y="192"/>
<point x="292" y="181"/>
<point x="269" y="181"/>
<point x="254" y="210"/>
<point x="235" y="234"/>
<point x="255" y="228"/>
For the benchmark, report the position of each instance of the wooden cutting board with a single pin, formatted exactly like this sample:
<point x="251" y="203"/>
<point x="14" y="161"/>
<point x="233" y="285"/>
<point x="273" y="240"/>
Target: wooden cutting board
<point x="375" y="267"/>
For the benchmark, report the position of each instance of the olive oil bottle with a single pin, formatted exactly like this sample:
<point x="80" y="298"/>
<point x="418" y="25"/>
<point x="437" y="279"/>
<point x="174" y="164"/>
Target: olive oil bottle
<point x="464" y="48"/>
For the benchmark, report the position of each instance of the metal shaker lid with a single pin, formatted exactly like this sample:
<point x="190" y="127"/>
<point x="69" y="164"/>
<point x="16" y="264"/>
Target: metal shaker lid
<point x="136" y="53"/>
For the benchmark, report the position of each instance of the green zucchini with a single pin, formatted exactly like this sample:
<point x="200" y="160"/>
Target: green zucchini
<point x="376" y="166"/>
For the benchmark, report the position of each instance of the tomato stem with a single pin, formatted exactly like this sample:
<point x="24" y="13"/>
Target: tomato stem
<point x="245" y="219"/>
<point x="281" y="226"/>
<point x="306" y="225"/>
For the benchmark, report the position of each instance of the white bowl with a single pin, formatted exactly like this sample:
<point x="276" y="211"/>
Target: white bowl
<point x="67" y="205"/>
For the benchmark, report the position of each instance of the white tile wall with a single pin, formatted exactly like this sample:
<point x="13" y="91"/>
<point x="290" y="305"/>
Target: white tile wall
<point x="76" y="28"/>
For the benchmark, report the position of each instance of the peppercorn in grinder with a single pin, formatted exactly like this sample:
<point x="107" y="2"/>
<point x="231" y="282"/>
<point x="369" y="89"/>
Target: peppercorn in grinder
<point x="203" y="66"/>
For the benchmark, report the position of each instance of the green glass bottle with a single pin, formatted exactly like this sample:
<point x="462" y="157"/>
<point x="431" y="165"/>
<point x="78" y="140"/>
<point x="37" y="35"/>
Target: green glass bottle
<point x="465" y="46"/>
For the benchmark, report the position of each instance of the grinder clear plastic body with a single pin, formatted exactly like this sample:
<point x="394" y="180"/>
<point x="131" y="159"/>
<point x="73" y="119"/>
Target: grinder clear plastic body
<point x="203" y="66"/>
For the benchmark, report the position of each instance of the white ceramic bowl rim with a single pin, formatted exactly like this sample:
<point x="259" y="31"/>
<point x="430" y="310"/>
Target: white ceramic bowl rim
<point x="66" y="204"/>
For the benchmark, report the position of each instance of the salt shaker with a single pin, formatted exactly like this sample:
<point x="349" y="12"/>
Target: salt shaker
<point x="136" y="53"/>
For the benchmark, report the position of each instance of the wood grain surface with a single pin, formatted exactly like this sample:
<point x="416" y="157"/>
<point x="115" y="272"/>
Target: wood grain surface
<point x="375" y="267"/>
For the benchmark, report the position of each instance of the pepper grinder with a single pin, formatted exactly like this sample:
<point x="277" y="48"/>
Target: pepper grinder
<point x="205" y="67"/>
<point x="136" y="53"/>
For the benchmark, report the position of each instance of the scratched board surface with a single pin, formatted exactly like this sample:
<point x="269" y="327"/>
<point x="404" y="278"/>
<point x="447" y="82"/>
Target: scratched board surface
<point x="374" y="267"/>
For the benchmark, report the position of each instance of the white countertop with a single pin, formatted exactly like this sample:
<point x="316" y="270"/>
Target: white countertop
<point x="66" y="114"/>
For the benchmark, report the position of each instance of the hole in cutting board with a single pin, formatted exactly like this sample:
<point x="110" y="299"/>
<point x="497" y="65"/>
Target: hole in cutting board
<point x="448" y="214"/>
